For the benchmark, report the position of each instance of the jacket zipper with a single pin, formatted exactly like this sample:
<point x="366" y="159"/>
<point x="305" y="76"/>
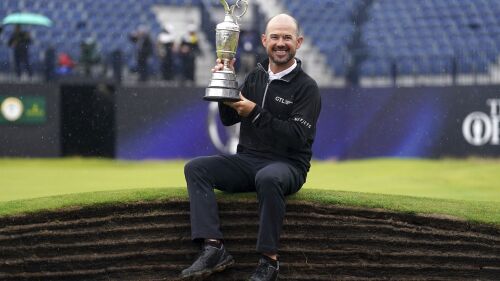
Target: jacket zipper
<point x="265" y="92"/>
<point x="259" y="65"/>
<point x="268" y="83"/>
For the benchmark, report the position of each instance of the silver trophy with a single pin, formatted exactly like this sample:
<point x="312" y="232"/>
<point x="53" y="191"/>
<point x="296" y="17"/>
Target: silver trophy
<point x="223" y="85"/>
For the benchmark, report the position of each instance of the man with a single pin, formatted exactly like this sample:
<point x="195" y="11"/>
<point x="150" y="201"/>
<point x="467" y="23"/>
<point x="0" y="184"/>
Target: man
<point x="89" y="55"/>
<point x="19" y="41"/>
<point x="144" y="47"/>
<point x="278" y="110"/>
<point x="189" y="50"/>
<point x="247" y="52"/>
<point x="165" y="44"/>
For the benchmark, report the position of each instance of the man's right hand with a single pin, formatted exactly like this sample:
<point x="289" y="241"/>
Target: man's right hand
<point x="219" y="65"/>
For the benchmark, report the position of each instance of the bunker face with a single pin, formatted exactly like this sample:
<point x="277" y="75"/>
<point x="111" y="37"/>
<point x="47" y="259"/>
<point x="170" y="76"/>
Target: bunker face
<point x="151" y="241"/>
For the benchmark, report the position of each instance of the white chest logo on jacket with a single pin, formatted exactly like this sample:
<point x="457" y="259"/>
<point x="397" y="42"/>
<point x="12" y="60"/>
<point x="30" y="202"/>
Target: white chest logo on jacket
<point x="283" y="101"/>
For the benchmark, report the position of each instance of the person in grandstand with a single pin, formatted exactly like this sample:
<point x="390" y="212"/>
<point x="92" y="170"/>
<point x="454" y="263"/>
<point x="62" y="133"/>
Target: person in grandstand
<point x="144" y="46"/>
<point x="278" y="109"/>
<point x="247" y="51"/>
<point x="89" y="55"/>
<point x="189" y="50"/>
<point x="19" y="41"/>
<point x="165" y="45"/>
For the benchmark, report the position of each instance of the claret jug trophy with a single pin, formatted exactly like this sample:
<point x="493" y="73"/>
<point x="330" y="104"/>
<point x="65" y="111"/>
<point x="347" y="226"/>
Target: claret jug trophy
<point x="223" y="85"/>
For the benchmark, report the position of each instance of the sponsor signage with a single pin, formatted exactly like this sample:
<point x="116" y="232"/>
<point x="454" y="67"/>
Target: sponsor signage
<point x="481" y="128"/>
<point x="354" y="123"/>
<point x="22" y="110"/>
<point x="225" y="143"/>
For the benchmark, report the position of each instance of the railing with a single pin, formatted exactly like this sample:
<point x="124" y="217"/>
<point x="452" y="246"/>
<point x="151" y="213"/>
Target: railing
<point x="458" y="69"/>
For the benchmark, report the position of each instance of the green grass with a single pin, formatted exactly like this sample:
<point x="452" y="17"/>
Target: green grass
<point x="467" y="189"/>
<point x="471" y="179"/>
<point x="23" y="179"/>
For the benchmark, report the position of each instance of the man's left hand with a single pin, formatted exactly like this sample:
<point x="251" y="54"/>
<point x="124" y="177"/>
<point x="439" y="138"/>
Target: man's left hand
<point x="243" y="107"/>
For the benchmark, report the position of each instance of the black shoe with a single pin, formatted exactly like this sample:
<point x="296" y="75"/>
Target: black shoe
<point x="210" y="260"/>
<point x="265" y="271"/>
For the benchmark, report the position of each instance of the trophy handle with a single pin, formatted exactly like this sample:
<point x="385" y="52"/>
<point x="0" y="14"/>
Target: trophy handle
<point x="226" y="6"/>
<point x="243" y="6"/>
<point x="240" y="4"/>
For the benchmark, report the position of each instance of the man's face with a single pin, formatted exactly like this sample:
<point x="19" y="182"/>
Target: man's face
<point x="281" y="41"/>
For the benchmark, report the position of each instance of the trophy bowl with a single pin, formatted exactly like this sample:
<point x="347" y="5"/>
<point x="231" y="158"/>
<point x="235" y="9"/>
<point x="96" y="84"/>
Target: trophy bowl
<point x="223" y="85"/>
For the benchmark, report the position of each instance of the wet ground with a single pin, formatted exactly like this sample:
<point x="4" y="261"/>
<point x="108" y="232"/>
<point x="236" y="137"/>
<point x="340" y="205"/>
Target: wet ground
<point x="151" y="241"/>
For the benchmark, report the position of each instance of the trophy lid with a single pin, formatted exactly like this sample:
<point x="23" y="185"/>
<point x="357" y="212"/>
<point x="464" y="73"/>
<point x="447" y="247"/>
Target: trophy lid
<point x="228" y="24"/>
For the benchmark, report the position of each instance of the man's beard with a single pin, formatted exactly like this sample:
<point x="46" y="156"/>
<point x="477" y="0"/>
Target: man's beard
<point x="281" y="60"/>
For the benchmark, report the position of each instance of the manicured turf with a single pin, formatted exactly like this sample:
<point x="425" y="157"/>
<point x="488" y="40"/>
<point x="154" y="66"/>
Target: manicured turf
<point x="467" y="189"/>
<point x="471" y="179"/>
<point x="22" y="179"/>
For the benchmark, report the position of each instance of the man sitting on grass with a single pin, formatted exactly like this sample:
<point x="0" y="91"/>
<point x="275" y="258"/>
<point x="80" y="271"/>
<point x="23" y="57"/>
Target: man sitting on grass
<point x="278" y="111"/>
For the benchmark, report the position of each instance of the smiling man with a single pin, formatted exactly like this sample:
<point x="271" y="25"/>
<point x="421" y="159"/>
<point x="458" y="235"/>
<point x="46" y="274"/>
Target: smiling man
<point x="278" y="111"/>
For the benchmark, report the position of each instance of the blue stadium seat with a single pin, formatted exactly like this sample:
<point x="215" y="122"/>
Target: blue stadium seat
<point x="430" y="30"/>
<point x="421" y="35"/>
<point x="433" y="31"/>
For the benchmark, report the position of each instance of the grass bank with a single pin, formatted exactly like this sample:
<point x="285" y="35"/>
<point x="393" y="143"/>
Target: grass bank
<point x="467" y="189"/>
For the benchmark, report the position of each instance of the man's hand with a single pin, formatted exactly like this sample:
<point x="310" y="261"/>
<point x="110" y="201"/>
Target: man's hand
<point x="219" y="65"/>
<point x="243" y="107"/>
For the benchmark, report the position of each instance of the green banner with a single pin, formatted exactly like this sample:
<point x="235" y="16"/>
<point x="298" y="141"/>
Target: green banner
<point x="22" y="110"/>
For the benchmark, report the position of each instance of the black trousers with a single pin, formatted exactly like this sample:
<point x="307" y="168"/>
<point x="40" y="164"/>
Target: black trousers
<point x="21" y="60"/>
<point x="142" y="68"/>
<point x="271" y="180"/>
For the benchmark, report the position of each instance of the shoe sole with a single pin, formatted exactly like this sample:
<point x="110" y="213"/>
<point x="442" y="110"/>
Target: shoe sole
<point x="199" y="276"/>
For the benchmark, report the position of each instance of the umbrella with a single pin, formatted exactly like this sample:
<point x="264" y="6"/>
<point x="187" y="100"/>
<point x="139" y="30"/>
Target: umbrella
<point x="27" y="18"/>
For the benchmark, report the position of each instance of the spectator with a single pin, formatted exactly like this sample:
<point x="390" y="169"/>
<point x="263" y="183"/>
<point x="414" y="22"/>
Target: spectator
<point x="144" y="48"/>
<point x="189" y="49"/>
<point x="247" y="52"/>
<point x="89" y="55"/>
<point x="19" y="41"/>
<point x="116" y="62"/>
<point x="49" y="63"/>
<point x="165" y="45"/>
<point x="65" y="64"/>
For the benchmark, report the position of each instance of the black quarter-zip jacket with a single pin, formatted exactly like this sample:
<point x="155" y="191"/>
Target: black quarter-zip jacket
<point x="282" y="126"/>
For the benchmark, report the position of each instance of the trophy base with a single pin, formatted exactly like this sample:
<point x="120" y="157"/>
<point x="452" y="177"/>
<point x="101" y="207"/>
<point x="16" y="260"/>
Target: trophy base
<point x="222" y="87"/>
<point x="221" y="94"/>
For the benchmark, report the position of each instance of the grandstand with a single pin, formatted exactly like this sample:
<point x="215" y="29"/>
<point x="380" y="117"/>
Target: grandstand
<point x="429" y="41"/>
<point x="433" y="38"/>
<point x="109" y="22"/>
<point x="363" y="42"/>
